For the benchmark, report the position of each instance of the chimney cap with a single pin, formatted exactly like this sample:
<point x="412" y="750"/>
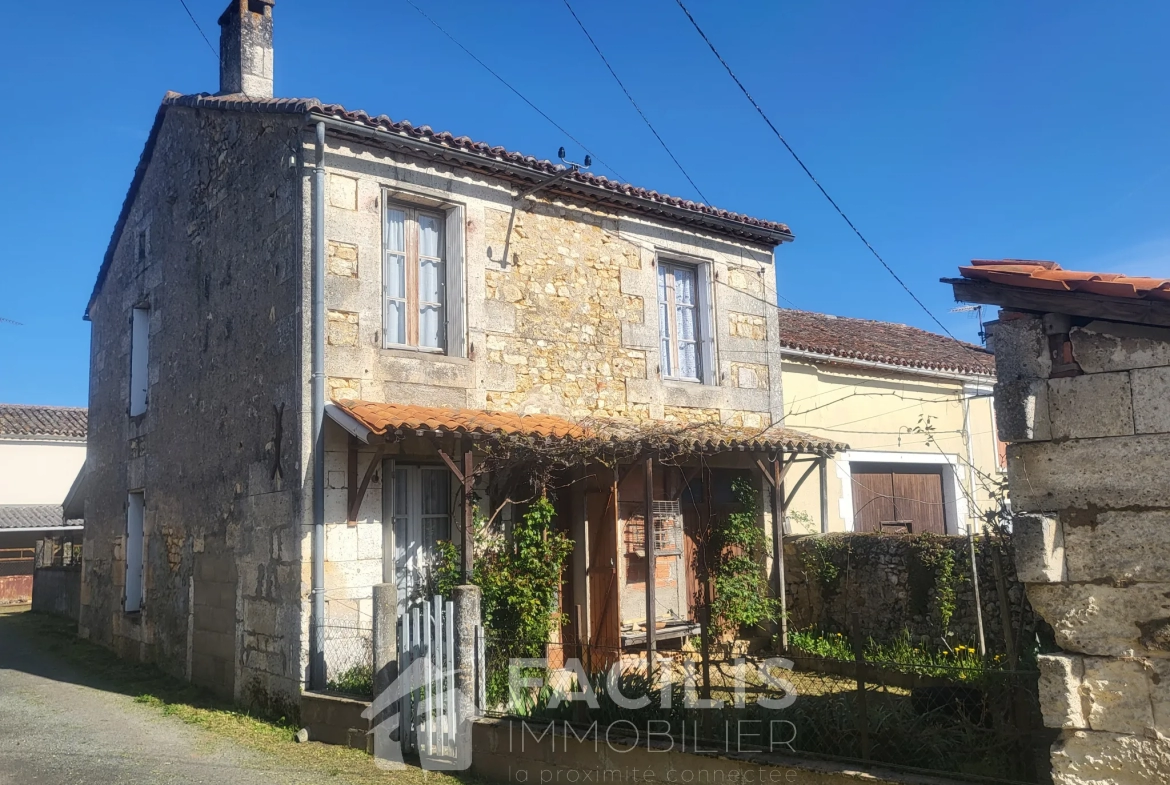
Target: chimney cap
<point x="255" y="6"/>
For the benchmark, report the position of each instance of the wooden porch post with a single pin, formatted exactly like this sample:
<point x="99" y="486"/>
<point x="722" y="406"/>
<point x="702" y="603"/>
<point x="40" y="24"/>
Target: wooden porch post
<point x="779" y="510"/>
<point x="651" y="564"/>
<point x="468" y="519"/>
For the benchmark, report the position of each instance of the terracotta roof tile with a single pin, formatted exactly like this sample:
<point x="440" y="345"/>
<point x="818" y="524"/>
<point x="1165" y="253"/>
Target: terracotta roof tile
<point x="881" y="342"/>
<point x="387" y="418"/>
<point x="63" y="422"/>
<point x="1029" y="274"/>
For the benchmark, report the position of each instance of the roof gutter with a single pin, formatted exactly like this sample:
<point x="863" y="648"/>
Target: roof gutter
<point x="571" y="187"/>
<point x="911" y="371"/>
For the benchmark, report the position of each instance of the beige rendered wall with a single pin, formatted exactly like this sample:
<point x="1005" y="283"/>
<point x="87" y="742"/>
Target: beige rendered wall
<point x="38" y="472"/>
<point x="882" y="414"/>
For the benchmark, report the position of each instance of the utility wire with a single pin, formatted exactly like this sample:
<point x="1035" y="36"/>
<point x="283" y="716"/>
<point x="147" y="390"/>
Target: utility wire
<point x="820" y="187"/>
<point x="505" y="83"/>
<point x="200" y="29"/>
<point x="642" y="114"/>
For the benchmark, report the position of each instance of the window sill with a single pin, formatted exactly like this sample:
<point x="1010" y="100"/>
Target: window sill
<point x="419" y="354"/>
<point x="680" y="381"/>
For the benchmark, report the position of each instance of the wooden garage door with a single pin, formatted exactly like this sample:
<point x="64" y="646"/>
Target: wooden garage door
<point x="898" y="498"/>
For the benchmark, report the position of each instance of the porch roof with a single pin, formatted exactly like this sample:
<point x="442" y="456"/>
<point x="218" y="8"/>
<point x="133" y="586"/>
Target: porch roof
<point x="373" y="422"/>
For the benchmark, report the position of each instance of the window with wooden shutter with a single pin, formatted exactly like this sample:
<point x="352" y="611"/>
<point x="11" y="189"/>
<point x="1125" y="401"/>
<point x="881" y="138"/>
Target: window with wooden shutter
<point x="679" y="322"/>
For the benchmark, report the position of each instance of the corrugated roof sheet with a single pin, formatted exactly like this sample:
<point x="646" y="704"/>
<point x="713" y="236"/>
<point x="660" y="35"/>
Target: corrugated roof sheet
<point x="397" y="418"/>
<point x="1035" y="274"/>
<point x="882" y="342"/>
<point x="33" y="516"/>
<point x="63" y="422"/>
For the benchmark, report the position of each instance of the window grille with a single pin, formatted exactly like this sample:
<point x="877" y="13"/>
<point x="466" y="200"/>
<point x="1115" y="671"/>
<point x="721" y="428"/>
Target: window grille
<point x="668" y="528"/>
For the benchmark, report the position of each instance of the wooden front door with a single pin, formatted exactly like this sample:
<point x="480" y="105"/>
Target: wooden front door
<point x="898" y="498"/>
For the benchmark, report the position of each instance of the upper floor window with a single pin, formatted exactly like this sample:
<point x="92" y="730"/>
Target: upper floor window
<point x="415" y="278"/>
<point x="681" y="322"/>
<point x="139" y="360"/>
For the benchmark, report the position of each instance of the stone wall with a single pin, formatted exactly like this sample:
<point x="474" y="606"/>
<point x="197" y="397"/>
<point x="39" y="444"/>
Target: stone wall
<point x="57" y="590"/>
<point x="1085" y="404"/>
<point x="210" y="245"/>
<point x="880" y="576"/>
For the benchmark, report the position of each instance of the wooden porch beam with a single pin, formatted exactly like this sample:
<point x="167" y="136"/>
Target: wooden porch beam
<point x="356" y="496"/>
<point x="651" y="565"/>
<point x="450" y="465"/>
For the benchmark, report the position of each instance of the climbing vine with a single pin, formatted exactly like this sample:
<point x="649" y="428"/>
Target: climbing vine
<point x="933" y="570"/>
<point x="742" y="596"/>
<point x="520" y="578"/>
<point x="824" y="563"/>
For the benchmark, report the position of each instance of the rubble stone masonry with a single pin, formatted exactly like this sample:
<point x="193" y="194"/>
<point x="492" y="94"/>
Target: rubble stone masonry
<point x="1088" y="465"/>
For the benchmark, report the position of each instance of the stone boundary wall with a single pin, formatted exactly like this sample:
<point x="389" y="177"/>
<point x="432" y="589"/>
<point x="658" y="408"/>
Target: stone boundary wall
<point x="880" y="576"/>
<point x="57" y="590"/>
<point x="1086" y="406"/>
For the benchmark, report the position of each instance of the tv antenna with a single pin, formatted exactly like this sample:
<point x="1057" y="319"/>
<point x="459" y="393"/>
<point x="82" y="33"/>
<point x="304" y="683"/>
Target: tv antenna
<point x="978" y="311"/>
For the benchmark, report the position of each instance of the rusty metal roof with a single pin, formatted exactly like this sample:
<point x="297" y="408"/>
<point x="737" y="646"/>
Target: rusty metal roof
<point x="1034" y="274"/>
<point x="396" y="419"/>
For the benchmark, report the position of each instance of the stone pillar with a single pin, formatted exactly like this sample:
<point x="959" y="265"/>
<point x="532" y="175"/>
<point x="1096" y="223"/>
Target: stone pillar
<point x="1084" y="409"/>
<point x="468" y="667"/>
<point x="385" y="636"/>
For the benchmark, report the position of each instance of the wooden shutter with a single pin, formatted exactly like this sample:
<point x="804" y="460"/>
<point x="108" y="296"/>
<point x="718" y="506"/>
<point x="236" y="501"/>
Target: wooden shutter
<point x="708" y="367"/>
<point x="897" y="498"/>
<point x="918" y="498"/>
<point x="456" y="287"/>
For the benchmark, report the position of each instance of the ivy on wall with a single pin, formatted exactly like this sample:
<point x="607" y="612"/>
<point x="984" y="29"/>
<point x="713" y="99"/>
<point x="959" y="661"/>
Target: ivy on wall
<point x="742" y="596"/>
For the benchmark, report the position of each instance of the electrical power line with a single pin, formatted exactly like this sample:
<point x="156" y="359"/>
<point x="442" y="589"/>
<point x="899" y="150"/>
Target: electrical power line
<point x="200" y="29"/>
<point x="634" y="103"/>
<point x="506" y="84"/>
<point x="796" y="157"/>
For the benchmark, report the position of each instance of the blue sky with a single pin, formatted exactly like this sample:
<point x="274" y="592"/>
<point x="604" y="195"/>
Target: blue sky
<point x="948" y="131"/>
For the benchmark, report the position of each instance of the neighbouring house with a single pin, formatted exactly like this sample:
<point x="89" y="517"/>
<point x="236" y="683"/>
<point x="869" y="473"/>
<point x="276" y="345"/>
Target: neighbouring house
<point x="1083" y="400"/>
<point x="42" y="451"/>
<point x="915" y="409"/>
<point x="313" y="329"/>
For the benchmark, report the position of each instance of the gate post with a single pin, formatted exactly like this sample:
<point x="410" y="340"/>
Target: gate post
<point x="468" y="668"/>
<point x="385" y="636"/>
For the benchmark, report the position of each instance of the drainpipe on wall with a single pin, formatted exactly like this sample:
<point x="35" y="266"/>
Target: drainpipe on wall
<point x="317" y="388"/>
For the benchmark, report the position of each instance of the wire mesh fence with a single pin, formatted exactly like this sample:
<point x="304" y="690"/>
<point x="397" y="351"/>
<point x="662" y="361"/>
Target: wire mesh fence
<point x="981" y="722"/>
<point x="349" y="657"/>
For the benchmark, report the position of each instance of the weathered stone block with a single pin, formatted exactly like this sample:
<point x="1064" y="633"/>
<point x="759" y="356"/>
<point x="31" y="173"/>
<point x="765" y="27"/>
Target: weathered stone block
<point x="341" y="328"/>
<point x="341" y="259"/>
<point x="1040" y="551"/>
<point x="1118" y="695"/>
<point x="1101" y="347"/>
<point x="1021" y="349"/>
<point x="1021" y="410"/>
<point x="1108" y="473"/>
<point x="1060" y="690"/>
<point x="1151" y="400"/>
<point x="1095" y="758"/>
<point x="1105" y="620"/>
<point x="1089" y="406"/>
<point x="1117" y="546"/>
<point x="746" y="325"/>
<point x="342" y="191"/>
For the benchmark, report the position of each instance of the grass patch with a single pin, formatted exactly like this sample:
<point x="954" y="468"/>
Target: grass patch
<point x="273" y="736"/>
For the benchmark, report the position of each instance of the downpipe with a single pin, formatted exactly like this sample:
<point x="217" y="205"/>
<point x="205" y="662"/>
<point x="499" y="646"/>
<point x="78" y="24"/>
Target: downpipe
<point x="317" y="389"/>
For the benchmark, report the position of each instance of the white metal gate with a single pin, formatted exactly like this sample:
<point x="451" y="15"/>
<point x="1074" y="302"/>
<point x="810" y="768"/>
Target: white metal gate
<point x="428" y="720"/>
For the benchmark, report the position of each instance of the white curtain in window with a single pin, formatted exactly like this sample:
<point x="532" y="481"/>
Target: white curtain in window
<point x="431" y="282"/>
<point x="395" y="277"/>
<point x="688" y="333"/>
<point x="664" y="319"/>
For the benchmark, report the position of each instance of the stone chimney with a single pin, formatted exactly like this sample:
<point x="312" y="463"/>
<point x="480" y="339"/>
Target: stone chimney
<point x="245" y="48"/>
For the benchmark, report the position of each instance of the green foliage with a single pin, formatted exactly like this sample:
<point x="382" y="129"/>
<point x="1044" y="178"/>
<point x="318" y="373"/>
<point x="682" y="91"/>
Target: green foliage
<point x="358" y="680"/>
<point x="742" y="596"/>
<point x="933" y="571"/>
<point x="962" y="662"/>
<point x="825" y="562"/>
<point x="520" y="580"/>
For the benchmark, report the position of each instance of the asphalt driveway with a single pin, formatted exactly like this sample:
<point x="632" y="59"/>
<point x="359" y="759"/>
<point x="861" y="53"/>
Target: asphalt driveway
<point x="58" y="726"/>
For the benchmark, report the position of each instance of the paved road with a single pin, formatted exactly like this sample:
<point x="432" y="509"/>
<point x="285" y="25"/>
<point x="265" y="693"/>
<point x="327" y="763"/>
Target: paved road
<point x="56" y="729"/>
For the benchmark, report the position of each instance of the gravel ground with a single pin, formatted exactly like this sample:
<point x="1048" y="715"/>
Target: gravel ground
<point x="58" y="726"/>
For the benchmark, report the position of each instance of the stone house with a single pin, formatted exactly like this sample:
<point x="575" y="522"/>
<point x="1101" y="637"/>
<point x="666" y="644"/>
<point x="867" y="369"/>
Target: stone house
<point x="42" y="451"/>
<point x="915" y="409"/>
<point x="1083" y="362"/>
<point x="308" y="317"/>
